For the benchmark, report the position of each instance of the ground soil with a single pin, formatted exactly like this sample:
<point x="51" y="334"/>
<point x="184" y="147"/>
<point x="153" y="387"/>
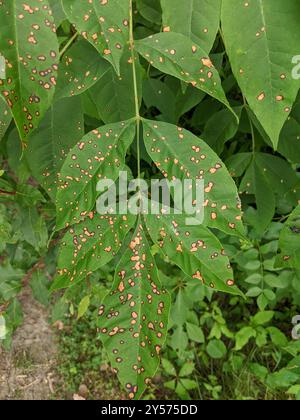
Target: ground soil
<point x="28" y="371"/>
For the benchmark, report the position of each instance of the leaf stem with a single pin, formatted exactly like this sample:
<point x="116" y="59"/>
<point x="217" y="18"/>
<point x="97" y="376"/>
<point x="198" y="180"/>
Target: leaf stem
<point x="65" y="48"/>
<point x="135" y="86"/>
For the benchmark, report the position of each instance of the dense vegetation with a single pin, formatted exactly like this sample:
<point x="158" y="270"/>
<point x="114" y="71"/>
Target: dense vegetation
<point x="172" y="89"/>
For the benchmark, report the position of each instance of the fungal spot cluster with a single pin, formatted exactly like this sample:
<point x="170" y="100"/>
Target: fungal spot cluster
<point x="188" y="62"/>
<point x="180" y="155"/>
<point x="91" y="244"/>
<point x="207" y="261"/>
<point x="92" y="18"/>
<point x="100" y="154"/>
<point x="31" y="70"/>
<point x="133" y="318"/>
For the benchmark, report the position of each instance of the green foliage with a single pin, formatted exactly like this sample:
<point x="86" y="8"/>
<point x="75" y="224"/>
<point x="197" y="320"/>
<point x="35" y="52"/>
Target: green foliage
<point x="194" y="90"/>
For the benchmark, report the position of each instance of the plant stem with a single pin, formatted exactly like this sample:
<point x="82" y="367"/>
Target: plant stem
<point x="135" y="86"/>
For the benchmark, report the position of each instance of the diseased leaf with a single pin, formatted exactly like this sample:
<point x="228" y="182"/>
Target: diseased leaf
<point x="289" y="143"/>
<point x="104" y="23"/>
<point x="100" y="154"/>
<point x="194" y="249"/>
<point x="52" y="141"/>
<point x="81" y="67"/>
<point x="90" y="245"/>
<point x="113" y="95"/>
<point x="58" y="12"/>
<point x="178" y="56"/>
<point x="134" y="317"/>
<point x="29" y="45"/>
<point x="5" y="117"/>
<point x="261" y="38"/>
<point x="180" y="155"/>
<point x="199" y="20"/>
<point x="289" y="242"/>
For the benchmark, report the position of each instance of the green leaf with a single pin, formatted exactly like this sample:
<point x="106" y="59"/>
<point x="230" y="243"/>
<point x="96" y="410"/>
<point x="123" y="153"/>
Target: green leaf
<point x="101" y="153"/>
<point x="33" y="227"/>
<point x="29" y="45"/>
<point x="254" y="292"/>
<point x="5" y="117"/>
<point x="179" y="311"/>
<point x="83" y="306"/>
<point x="180" y="155"/>
<point x="89" y="245"/>
<point x="113" y="95"/>
<point x="289" y="242"/>
<point x="289" y="143"/>
<point x="81" y="67"/>
<point x="187" y="369"/>
<point x="216" y="349"/>
<point x="194" y="249"/>
<point x="195" y="333"/>
<point x="104" y="23"/>
<point x="10" y="281"/>
<point x="168" y="367"/>
<point x="277" y="337"/>
<point x="262" y="318"/>
<point x="150" y="10"/>
<point x="178" y="56"/>
<point x="58" y="12"/>
<point x="52" y="141"/>
<point x="39" y="287"/>
<point x="255" y="182"/>
<point x="134" y="316"/>
<point x="243" y="337"/>
<point x="15" y="314"/>
<point x="199" y="20"/>
<point x="261" y="38"/>
<point x="220" y="128"/>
